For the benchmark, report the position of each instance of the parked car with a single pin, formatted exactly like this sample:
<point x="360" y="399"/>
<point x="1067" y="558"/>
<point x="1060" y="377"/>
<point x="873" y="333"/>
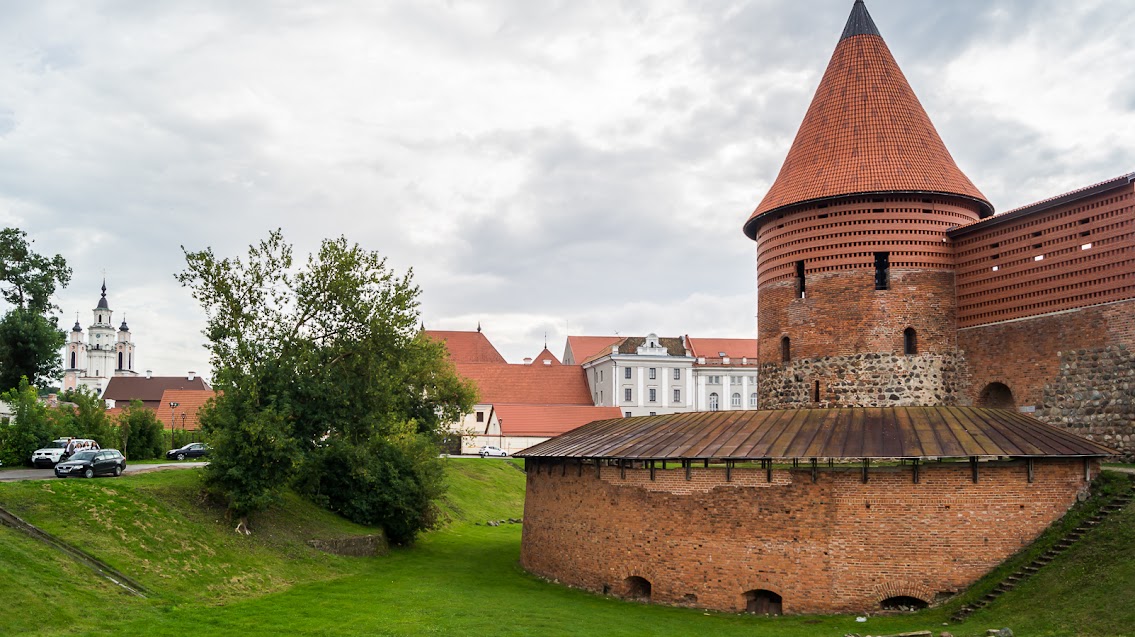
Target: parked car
<point x="489" y="450"/>
<point x="91" y="463"/>
<point x="191" y="450"/>
<point x="61" y="449"/>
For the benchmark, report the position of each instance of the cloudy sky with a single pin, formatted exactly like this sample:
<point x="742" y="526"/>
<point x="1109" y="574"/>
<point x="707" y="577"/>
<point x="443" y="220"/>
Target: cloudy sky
<point x="544" y="167"/>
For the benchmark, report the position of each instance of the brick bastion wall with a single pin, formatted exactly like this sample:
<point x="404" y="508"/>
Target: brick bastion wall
<point x="833" y="546"/>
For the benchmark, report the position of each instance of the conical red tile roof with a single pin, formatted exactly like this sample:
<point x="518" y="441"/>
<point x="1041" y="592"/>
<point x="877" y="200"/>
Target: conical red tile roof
<point x="865" y="132"/>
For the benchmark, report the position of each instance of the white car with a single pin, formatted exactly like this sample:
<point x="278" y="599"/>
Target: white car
<point x="489" y="450"/>
<point x="59" y="450"/>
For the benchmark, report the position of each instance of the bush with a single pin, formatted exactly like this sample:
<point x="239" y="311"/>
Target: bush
<point x="390" y="483"/>
<point x="31" y="428"/>
<point x="140" y="433"/>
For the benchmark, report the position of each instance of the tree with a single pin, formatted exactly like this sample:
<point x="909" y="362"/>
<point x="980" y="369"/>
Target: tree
<point x="29" y="339"/>
<point x="140" y="432"/>
<point x="315" y="359"/>
<point x="90" y="419"/>
<point x="30" y="429"/>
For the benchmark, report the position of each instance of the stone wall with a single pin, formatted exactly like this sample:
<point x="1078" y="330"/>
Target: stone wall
<point x="1094" y="396"/>
<point x="861" y="380"/>
<point x="837" y="545"/>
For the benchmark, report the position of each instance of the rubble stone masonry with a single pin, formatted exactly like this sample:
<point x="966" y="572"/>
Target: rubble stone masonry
<point x="837" y="545"/>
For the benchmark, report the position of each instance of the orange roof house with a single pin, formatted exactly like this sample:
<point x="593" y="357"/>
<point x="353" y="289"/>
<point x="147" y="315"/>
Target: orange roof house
<point x="188" y="402"/>
<point x="545" y="421"/>
<point x="528" y="384"/>
<point x="581" y="348"/>
<point x="148" y="389"/>
<point x="467" y="347"/>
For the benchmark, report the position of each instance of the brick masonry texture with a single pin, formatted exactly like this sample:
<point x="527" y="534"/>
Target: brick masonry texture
<point x="834" y="546"/>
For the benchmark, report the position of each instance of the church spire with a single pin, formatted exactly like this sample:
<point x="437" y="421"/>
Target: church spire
<point x="865" y="132"/>
<point x="102" y="301"/>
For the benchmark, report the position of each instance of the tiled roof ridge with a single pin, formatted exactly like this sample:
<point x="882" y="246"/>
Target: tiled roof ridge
<point x="865" y="132"/>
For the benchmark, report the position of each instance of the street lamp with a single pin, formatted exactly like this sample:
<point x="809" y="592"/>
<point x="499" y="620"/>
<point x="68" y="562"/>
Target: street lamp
<point x="172" y="424"/>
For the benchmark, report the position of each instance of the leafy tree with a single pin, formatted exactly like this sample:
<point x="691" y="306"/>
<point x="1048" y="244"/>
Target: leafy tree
<point x="314" y="359"/>
<point x="90" y="419"/>
<point x="29" y="339"/>
<point x="140" y="432"/>
<point x="31" y="428"/>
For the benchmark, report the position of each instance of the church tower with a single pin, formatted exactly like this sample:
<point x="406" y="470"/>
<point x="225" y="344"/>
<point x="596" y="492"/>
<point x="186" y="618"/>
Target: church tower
<point x="107" y="352"/>
<point x="855" y="277"/>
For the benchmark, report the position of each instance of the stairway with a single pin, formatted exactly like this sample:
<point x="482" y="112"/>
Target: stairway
<point x="1012" y="581"/>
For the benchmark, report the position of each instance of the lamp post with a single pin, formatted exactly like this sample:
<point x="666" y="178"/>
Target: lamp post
<point x="172" y="424"/>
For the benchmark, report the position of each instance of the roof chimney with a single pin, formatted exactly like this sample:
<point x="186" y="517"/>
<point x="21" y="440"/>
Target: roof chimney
<point x="149" y="372"/>
<point x="527" y="360"/>
<point x="547" y="361"/>
<point x="192" y="375"/>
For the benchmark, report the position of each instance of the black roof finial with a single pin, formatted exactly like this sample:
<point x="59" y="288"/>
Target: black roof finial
<point x="859" y="22"/>
<point x="478" y="327"/>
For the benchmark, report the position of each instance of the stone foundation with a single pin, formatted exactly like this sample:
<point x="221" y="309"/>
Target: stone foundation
<point x="861" y="380"/>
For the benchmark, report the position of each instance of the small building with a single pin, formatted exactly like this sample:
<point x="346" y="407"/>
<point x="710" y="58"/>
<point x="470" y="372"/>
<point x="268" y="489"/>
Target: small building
<point x="796" y="511"/>
<point x="120" y="390"/>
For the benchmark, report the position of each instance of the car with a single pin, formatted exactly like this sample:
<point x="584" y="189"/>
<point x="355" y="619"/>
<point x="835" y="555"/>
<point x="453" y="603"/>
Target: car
<point x="490" y="450"/>
<point x="60" y="449"/>
<point x="191" y="450"/>
<point x="92" y="462"/>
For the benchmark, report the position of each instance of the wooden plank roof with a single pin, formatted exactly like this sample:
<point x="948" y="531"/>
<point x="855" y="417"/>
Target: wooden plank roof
<point x="858" y="432"/>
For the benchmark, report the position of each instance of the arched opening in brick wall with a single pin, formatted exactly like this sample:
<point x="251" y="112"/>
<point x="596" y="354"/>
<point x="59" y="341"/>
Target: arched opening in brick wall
<point x="763" y="602"/>
<point x="996" y="396"/>
<point x="903" y="603"/>
<point x="638" y="588"/>
<point x="785" y="349"/>
<point x="909" y="342"/>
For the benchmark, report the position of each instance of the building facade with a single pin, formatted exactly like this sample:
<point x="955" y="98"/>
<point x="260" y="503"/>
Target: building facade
<point x="107" y="352"/>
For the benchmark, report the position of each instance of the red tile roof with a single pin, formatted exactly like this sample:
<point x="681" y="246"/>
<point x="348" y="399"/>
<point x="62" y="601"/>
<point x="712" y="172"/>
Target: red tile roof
<point x="548" y="420"/>
<point x="467" y="347"/>
<point x="528" y="384"/>
<point x="123" y="389"/>
<point x="865" y="132"/>
<point x="581" y="348"/>
<point x="734" y="348"/>
<point x="545" y="355"/>
<point x="185" y="414"/>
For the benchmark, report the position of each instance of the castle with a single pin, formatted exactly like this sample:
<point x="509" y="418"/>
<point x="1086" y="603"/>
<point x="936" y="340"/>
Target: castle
<point x="925" y="367"/>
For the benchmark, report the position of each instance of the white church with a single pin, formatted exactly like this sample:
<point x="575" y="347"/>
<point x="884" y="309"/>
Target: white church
<point x="108" y="351"/>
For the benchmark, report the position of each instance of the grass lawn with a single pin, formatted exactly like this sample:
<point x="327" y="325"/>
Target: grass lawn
<point x="461" y="580"/>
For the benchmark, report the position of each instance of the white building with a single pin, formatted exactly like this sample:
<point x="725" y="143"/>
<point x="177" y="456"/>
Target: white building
<point x="107" y="352"/>
<point x="648" y="376"/>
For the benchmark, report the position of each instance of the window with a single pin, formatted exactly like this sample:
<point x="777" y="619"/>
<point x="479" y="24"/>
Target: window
<point x="677" y="395"/>
<point x="120" y="360"/>
<point x="799" y="279"/>
<point x="753" y="400"/>
<point x="626" y="393"/>
<point x="600" y="375"/>
<point x="714" y="380"/>
<point x="653" y="393"/>
<point x="73" y="365"/>
<point x="481" y="415"/>
<point x="677" y="374"/>
<point x="714" y="402"/>
<point x="882" y="270"/>
<point x="909" y="342"/>
<point x="785" y="349"/>
<point x="627" y="372"/>
<point x="735" y="400"/>
<point x="652" y="373"/>
<point x="654" y="413"/>
<point x="737" y="380"/>
<point x="626" y="414"/>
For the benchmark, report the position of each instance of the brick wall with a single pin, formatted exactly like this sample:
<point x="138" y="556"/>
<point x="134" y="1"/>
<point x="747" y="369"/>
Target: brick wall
<point x="837" y="545"/>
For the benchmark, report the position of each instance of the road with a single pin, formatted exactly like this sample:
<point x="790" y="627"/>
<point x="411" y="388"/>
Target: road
<point x="44" y="474"/>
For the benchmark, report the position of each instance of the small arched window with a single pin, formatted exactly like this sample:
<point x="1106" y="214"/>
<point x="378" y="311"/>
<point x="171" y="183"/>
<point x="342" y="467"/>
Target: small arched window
<point x="735" y="400"/>
<point x="73" y="361"/>
<point x="714" y="402"/>
<point x="120" y="360"/>
<point x="753" y="400"/>
<point x="785" y="349"/>
<point x="909" y="342"/>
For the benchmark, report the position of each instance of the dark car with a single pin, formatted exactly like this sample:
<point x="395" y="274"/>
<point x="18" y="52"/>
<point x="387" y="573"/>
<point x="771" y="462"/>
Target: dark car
<point x="191" y="450"/>
<point x="91" y="463"/>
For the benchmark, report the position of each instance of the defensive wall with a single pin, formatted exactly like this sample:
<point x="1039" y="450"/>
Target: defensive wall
<point x="721" y="540"/>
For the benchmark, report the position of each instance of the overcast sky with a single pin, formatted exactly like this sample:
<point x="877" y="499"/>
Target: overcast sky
<point x="560" y="167"/>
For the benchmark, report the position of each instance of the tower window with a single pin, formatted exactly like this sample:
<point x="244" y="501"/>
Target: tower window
<point x="785" y="349"/>
<point x="120" y="360"/>
<point x="882" y="270"/>
<point x="799" y="279"/>
<point x="909" y="342"/>
<point x="73" y="361"/>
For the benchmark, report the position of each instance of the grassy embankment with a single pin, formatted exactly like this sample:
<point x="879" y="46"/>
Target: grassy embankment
<point x="463" y="579"/>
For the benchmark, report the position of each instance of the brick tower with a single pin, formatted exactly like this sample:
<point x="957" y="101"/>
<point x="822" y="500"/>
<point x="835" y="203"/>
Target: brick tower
<point x="855" y="280"/>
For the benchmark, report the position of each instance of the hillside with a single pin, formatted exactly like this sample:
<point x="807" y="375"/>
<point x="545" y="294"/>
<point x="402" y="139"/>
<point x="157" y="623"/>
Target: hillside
<point x="462" y="579"/>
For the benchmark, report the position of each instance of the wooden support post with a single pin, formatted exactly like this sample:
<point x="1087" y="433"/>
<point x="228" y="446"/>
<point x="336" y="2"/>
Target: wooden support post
<point x="768" y="470"/>
<point x="831" y="463"/>
<point x="652" y="471"/>
<point x="866" y="466"/>
<point x="973" y="467"/>
<point x="729" y="471"/>
<point x="563" y="468"/>
<point x="663" y="464"/>
<point x="1029" y="468"/>
<point x="916" y="468"/>
<point x="622" y="469"/>
<point x="598" y="468"/>
<point x="815" y="471"/>
<point x="687" y="464"/>
<point x="796" y="463"/>
<point x="706" y="463"/>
